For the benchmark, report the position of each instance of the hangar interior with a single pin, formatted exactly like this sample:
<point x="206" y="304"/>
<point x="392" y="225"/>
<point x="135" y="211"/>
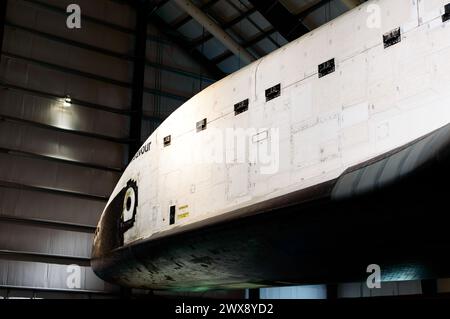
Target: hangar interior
<point x="76" y="104"/>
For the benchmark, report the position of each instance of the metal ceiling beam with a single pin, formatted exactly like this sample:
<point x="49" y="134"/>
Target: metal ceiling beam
<point x="299" y="16"/>
<point x="215" y="30"/>
<point x="259" y="37"/>
<point x="253" y="23"/>
<point x="224" y="26"/>
<point x="186" y="19"/>
<point x="281" y="18"/>
<point x="175" y="38"/>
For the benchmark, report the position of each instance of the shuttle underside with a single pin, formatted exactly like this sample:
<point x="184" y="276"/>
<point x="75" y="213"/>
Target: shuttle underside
<point x="391" y="211"/>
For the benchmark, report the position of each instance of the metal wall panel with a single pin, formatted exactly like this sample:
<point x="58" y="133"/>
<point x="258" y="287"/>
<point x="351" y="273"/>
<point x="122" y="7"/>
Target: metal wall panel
<point x="57" y="82"/>
<point x="53" y="112"/>
<point x="64" y="145"/>
<point x="297" y="292"/>
<point x="44" y="240"/>
<point x="147" y="128"/>
<point x="171" y="82"/>
<point x="47" y="276"/>
<point x="22" y="274"/>
<point x="43" y="206"/>
<point x="43" y="49"/>
<point x="25" y="13"/>
<point x="172" y="55"/>
<point x="105" y="10"/>
<point x="400" y="288"/>
<point x="159" y="106"/>
<point x="56" y="175"/>
<point x="36" y="62"/>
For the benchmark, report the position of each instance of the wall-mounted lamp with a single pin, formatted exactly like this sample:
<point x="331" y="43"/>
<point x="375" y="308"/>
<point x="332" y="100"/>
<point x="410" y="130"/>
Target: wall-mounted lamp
<point x="67" y="101"/>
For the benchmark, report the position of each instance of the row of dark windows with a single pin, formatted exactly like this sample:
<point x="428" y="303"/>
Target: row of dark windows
<point x="328" y="67"/>
<point x="446" y="15"/>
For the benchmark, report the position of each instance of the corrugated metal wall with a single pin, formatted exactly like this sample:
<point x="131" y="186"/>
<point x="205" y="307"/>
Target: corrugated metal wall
<point x="58" y="164"/>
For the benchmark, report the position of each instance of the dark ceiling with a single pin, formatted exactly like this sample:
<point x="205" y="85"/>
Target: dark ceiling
<point x="259" y="26"/>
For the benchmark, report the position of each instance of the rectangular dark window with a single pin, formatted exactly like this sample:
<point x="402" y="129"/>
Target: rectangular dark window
<point x="392" y="37"/>
<point x="172" y="215"/>
<point x="167" y="140"/>
<point x="241" y="107"/>
<point x="327" y="68"/>
<point x="273" y="92"/>
<point x="201" y="125"/>
<point x="446" y="15"/>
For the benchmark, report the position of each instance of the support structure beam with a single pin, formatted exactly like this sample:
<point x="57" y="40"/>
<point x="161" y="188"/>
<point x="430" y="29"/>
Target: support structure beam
<point x="137" y="93"/>
<point x="254" y="294"/>
<point x="254" y="24"/>
<point x="186" y="19"/>
<point x="281" y="18"/>
<point x="332" y="291"/>
<point x="224" y="26"/>
<point x="429" y="287"/>
<point x="3" y="7"/>
<point x="215" y="30"/>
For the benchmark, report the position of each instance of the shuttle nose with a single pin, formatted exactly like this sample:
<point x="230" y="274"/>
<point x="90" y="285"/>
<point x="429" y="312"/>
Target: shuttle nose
<point x="118" y="217"/>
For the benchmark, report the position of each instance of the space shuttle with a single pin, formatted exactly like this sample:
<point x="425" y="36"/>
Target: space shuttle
<point x="307" y="166"/>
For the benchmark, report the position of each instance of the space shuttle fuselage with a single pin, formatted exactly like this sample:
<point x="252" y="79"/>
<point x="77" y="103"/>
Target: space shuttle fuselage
<point x="305" y="166"/>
